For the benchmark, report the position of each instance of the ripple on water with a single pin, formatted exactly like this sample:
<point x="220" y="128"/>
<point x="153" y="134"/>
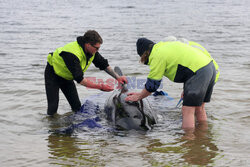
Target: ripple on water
<point x="30" y="30"/>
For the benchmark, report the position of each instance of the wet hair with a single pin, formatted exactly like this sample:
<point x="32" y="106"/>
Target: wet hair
<point x="146" y="54"/>
<point x="92" y="37"/>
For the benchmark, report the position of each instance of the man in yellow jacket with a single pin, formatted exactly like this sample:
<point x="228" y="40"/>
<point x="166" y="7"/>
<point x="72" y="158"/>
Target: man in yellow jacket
<point x="69" y="63"/>
<point x="181" y="62"/>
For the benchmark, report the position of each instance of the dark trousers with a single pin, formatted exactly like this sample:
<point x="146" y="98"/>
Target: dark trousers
<point x="199" y="88"/>
<point x="52" y="85"/>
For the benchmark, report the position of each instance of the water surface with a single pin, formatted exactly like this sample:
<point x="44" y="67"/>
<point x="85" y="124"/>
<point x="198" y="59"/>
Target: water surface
<point x="29" y="30"/>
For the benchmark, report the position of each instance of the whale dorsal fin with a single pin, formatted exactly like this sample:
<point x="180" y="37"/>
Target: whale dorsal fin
<point x="119" y="72"/>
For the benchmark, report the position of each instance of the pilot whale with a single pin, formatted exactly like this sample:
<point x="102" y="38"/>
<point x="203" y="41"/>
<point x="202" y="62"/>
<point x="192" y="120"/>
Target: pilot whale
<point x="128" y="115"/>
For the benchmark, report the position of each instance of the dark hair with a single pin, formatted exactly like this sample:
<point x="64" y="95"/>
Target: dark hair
<point x="146" y="54"/>
<point x="92" y="37"/>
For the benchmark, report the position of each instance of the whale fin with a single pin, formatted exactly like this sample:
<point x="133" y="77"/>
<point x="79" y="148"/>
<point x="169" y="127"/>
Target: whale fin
<point x="119" y="72"/>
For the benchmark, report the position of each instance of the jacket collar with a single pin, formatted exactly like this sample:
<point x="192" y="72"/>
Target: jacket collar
<point x="81" y="42"/>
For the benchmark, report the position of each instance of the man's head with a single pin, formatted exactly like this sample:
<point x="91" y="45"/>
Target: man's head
<point x="144" y="47"/>
<point x="143" y="44"/>
<point x="93" y="41"/>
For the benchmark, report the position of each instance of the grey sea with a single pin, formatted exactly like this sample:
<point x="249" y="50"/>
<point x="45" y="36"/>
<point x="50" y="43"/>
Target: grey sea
<point x="30" y="29"/>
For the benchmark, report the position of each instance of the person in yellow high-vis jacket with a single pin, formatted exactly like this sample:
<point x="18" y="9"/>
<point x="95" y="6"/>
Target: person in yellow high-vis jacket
<point x="69" y="63"/>
<point x="182" y="62"/>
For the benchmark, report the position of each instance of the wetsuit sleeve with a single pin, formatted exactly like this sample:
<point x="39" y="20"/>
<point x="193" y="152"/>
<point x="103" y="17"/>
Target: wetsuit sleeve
<point x="73" y="64"/>
<point x="100" y="62"/>
<point x="152" y="85"/>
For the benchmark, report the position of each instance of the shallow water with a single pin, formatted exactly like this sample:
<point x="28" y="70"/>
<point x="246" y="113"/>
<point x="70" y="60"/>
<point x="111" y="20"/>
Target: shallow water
<point x="31" y="29"/>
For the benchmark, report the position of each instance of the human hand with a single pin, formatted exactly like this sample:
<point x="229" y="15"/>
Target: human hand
<point x="106" y="87"/>
<point x="122" y="80"/>
<point x="133" y="97"/>
<point x="182" y="94"/>
<point x="132" y="93"/>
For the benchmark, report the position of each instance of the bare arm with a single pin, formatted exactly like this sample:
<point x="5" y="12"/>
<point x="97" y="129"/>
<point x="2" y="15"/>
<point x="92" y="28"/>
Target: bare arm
<point x="120" y="79"/>
<point x="111" y="72"/>
<point x="137" y="96"/>
<point x="90" y="84"/>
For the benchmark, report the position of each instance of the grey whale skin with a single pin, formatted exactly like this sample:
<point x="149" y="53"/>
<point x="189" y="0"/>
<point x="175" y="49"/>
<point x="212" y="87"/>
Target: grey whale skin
<point x="128" y="115"/>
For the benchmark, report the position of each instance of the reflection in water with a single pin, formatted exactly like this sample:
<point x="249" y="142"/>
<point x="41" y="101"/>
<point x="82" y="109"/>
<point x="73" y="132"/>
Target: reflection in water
<point x="199" y="146"/>
<point x="223" y="27"/>
<point x="196" y="148"/>
<point x="63" y="147"/>
<point x="71" y="150"/>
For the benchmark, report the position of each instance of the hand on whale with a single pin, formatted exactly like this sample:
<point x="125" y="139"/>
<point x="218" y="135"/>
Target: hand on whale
<point x="122" y="80"/>
<point x="106" y="88"/>
<point x="132" y="96"/>
<point x="126" y="115"/>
